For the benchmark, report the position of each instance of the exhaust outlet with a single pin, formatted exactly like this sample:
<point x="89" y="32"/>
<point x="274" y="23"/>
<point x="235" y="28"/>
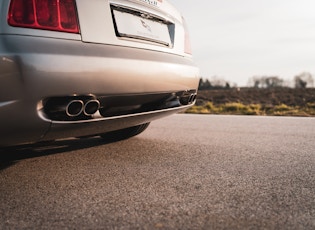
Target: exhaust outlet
<point x="187" y="98"/>
<point x="74" y="108"/>
<point x="91" y="107"/>
<point x="192" y="98"/>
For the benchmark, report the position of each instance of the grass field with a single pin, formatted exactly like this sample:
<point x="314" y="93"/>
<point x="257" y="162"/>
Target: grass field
<point x="251" y="101"/>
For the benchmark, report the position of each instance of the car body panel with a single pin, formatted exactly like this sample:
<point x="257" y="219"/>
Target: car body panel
<point x="39" y="64"/>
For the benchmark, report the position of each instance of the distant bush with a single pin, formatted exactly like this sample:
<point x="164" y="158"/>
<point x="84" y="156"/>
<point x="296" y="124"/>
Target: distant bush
<point x="310" y="105"/>
<point x="282" y="108"/>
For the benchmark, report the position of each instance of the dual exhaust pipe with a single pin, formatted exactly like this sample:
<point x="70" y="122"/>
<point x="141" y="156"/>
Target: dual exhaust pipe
<point x="78" y="107"/>
<point x="84" y="107"/>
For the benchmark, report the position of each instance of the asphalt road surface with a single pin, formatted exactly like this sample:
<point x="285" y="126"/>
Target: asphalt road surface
<point x="184" y="172"/>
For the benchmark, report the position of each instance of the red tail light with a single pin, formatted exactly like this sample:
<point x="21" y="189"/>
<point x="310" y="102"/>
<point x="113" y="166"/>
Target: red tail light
<point x="58" y="15"/>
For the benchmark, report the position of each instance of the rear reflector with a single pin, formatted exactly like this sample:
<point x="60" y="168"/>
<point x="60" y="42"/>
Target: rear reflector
<point x="187" y="47"/>
<point x="57" y="15"/>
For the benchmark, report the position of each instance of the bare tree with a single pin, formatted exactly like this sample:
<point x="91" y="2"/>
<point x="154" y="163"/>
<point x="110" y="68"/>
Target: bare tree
<point x="219" y="83"/>
<point x="204" y="85"/>
<point x="303" y="80"/>
<point x="266" y="82"/>
<point x="213" y="83"/>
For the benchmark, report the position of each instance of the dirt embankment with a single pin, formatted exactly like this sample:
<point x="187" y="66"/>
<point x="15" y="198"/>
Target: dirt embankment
<point x="264" y="97"/>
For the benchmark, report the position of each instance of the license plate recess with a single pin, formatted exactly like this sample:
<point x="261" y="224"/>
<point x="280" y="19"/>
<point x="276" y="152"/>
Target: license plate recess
<point x="141" y="27"/>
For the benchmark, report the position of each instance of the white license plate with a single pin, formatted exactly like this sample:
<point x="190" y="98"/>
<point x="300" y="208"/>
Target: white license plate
<point x="129" y="25"/>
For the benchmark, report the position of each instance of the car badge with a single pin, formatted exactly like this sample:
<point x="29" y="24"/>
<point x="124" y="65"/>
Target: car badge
<point x="153" y="2"/>
<point x="145" y="25"/>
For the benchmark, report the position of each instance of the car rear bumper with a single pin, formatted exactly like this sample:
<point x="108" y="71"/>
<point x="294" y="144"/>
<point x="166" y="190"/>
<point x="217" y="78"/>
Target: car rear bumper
<point x="35" y="68"/>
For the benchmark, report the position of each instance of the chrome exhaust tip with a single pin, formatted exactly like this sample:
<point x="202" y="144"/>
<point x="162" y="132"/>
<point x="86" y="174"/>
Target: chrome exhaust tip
<point x="192" y="98"/>
<point x="187" y="98"/>
<point x="74" y="108"/>
<point x="91" y="107"/>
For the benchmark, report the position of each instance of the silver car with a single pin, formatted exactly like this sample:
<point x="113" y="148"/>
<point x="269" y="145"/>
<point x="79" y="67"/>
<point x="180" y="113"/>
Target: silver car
<point x="75" y="68"/>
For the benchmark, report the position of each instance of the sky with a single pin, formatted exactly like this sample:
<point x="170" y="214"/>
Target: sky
<point x="235" y="40"/>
